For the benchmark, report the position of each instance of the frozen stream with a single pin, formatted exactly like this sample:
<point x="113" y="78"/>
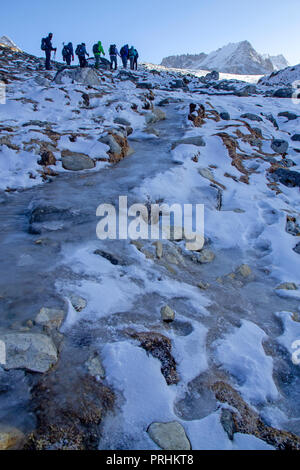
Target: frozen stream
<point x="61" y="217"/>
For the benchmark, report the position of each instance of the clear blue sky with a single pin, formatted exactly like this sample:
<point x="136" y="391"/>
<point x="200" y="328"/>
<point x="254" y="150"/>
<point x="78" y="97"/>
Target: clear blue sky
<point x="157" y="28"/>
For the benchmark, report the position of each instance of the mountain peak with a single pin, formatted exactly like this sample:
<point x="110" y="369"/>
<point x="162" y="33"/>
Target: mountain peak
<point x="7" y="42"/>
<point x="237" y="58"/>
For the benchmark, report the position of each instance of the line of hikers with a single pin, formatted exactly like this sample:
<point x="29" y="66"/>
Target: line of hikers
<point x="126" y="54"/>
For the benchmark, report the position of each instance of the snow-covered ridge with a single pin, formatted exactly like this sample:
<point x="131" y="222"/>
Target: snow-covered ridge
<point x="285" y="77"/>
<point x="7" y="42"/>
<point x="237" y="58"/>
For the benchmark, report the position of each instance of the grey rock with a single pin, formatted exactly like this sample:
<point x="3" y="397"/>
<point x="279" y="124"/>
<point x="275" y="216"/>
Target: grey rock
<point x="122" y="121"/>
<point x="271" y="118"/>
<point x="297" y="249"/>
<point x="296" y="138"/>
<point x="283" y="93"/>
<point x="288" y="115"/>
<point x="225" y="116"/>
<point x="227" y="422"/>
<point x="169" y="436"/>
<point x="145" y="85"/>
<point x="78" y="303"/>
<point x="30" y="351"/>
<point x="212" y="76"/>
<point x="167" y="314"/>
<point x="74" y="161"/>
<point x="112" y="143"/>
<point x="280" y="146"/>
<point x="196" y="140"/>
<point x="251" y="117"/>
<point x="244" y="270"/>
<point x="50" y="317"/>
<point x="86" y="76"/>
<point x="95" y="367"/>
<point x="178" y="84"/>
<point x="287" y="286"/>
<point x="287" y="177"/>
<point x="206" y="256"/>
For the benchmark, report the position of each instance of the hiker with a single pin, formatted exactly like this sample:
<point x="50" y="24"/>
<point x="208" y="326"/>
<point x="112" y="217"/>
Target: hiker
<point x="98" y="50"/>
<point x="124" y="55"/>
<point x="136" y="56"/>
<point x="113" y="53"/>
<point x="68" y="53"/>
<point x="131" y="54"/>
<point x="81" y="52"/>
<point x="48" y="48"/>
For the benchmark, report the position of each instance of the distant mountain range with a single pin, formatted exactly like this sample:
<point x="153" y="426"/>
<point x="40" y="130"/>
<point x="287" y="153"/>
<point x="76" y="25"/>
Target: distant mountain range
<point x="236" y="58"/>
<point x="6" y="42"/>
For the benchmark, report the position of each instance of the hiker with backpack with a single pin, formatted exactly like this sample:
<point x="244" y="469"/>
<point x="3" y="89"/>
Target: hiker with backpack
<point x="81" y="52"/>
<point x="124" y="55"/>
<point x="113" y="53"/>
<point x="98" y="50"/>
<point x="135" y="62"/>
<point x="47" y="47"/>
<point x="68" y="53"/>
<point x="132" y="54"/>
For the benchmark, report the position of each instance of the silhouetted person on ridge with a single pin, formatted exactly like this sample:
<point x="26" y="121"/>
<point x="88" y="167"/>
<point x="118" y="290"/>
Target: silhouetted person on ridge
<point x="124" y="55"/>
<point x="48" y="48"/>
<point x="81" y="52"/>
<point x="68" y="53"/>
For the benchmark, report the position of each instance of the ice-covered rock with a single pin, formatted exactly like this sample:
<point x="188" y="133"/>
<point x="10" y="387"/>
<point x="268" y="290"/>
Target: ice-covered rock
<point x="169" y="436"/>
<point x="31" y="351"/>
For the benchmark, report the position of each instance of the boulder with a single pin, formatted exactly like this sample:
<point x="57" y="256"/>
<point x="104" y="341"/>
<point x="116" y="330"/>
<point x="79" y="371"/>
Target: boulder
<point x="118" y="145"/>
<point x="280" y="146"/>
<point x="296" y="138"/>
<point x="212" y="76"/>
<point x="145" y="85"/>
<point x="95" y="367"/>
<point x="122" y="121"/>
<point x="247" y="90"/>
<point x="288" y="115"/>
<point x="283" y="93"/>
<point x="30" y="351"/>
<point x="251" y="117"/>
<point x="86" y="76"/>
<point x="178" y="84"/>
<point x="287" y="286"/>
<point x="244" y="270"/>
<point x="167" y="314"/>
<point x="287" y="177"/>
<point x="50" y="317"/>
<point x="225" y="116"/>
<point x="206" y="256"/>
<point x="169" y="436"/>
<point x="196" y="140"/>
<point x="297" y="249"/>
<point x="74" y="161"/>
<point x="10" y="438"/>
<point x="47" y="158"/>
<point x="78" y="303"/>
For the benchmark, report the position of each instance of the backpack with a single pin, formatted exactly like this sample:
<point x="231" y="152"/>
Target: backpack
<point x="79" y="50"/>
<point x="96" y="49"/>
<point x="112" y="50"/>
<point x="124" y="51"/>
<point x="43" y="44"/>
<point x="65" y="51"/>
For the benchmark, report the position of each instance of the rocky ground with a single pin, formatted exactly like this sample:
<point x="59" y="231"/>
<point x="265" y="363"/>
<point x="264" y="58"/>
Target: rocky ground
<point x="145" y="344"/>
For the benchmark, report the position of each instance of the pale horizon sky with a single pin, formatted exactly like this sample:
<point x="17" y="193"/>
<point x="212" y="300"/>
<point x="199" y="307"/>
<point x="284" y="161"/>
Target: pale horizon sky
<point x="157" y="28"/>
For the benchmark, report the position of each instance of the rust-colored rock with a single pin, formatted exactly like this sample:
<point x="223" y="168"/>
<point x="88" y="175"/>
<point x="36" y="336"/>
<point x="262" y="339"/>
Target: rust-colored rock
<point x="247" y="421"/>
<point x="47" y="158"/>
<point x="197" y="114"/>
<point x="160" y="347"/>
